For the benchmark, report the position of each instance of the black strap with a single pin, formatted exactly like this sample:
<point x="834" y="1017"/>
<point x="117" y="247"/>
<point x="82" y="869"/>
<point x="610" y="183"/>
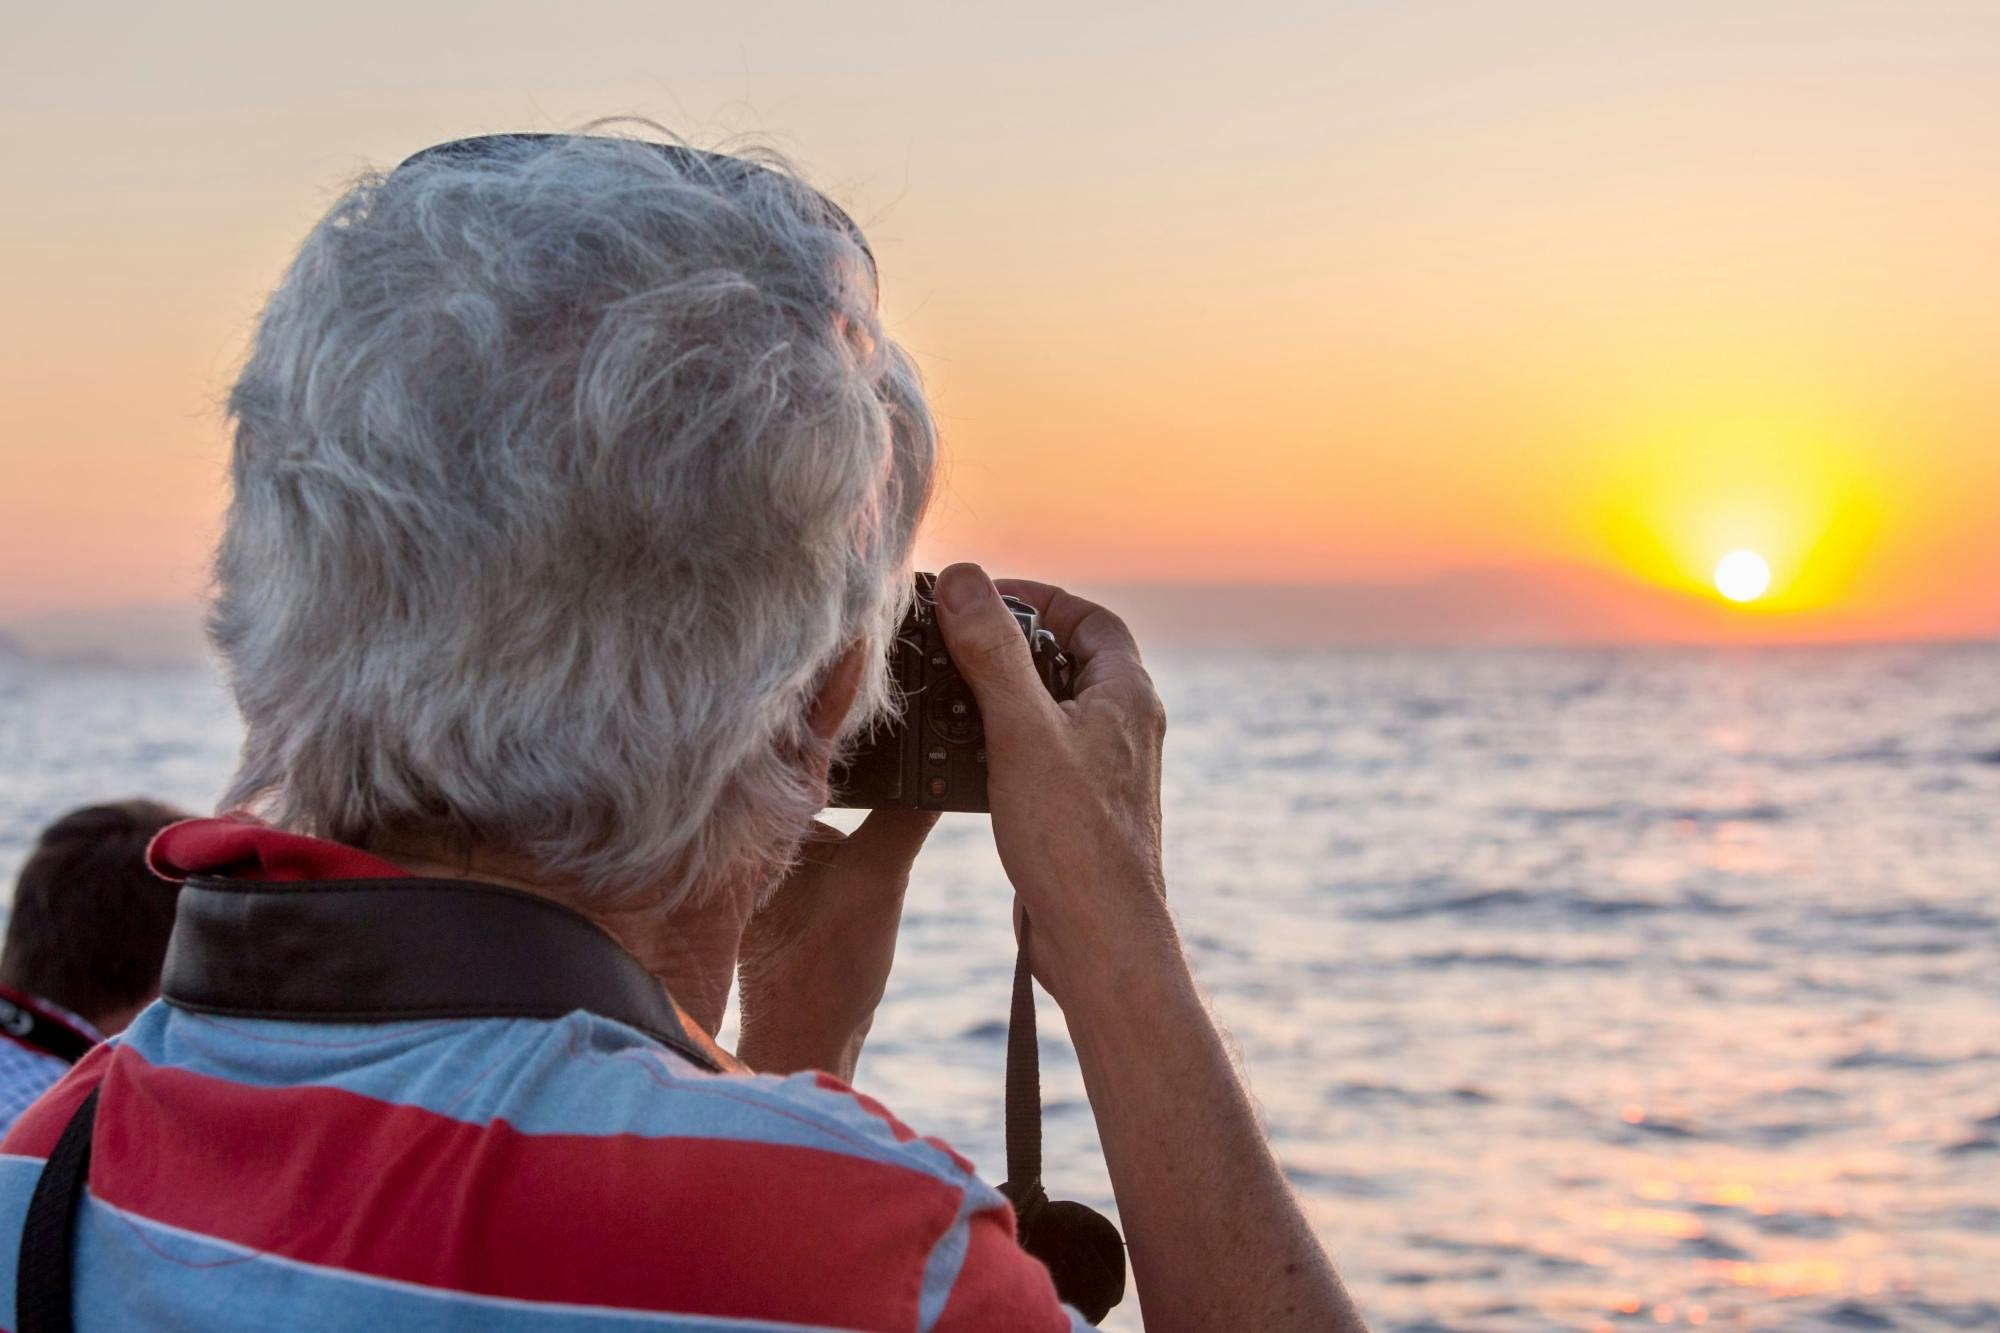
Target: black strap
<point x="1079" y="1246"/>
<point x="42" y="1276"/>
<point x="41" y="1031"/>
<point x="1024" y="1086"/>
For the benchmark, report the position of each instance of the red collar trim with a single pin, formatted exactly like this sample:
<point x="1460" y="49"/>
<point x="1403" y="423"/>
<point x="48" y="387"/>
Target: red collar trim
<point x="238" y="846"/>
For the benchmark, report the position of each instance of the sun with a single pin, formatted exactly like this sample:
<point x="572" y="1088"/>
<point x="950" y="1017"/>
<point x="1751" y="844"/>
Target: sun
<point x="1742" y="576"/>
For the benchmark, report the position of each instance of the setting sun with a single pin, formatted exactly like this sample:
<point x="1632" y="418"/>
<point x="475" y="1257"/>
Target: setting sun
<point x="1742" y="576"/>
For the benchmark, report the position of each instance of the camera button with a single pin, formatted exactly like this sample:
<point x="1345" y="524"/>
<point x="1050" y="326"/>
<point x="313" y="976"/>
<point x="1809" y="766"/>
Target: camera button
<point x="937" y="754"/>
<point x="937" y="787"/>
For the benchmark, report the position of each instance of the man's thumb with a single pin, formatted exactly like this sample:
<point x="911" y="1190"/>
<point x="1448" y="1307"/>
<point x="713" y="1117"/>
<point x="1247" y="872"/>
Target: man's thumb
<point x="989" y="649"/>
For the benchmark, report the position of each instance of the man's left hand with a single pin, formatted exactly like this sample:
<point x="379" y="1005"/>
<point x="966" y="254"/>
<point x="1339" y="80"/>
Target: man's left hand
<point x="815" y="957"/>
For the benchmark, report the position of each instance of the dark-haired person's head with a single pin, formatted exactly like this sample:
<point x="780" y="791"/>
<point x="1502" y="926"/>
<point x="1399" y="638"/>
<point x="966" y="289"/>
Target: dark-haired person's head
<point x="89" y="925"/>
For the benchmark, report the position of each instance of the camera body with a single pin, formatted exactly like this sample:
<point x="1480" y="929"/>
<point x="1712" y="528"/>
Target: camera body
<point x="933" y="757"/>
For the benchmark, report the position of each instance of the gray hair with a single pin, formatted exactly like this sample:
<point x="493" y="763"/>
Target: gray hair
<point x="563" y="474"/>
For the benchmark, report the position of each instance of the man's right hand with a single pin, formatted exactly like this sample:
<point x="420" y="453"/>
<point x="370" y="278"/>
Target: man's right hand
<point x="1074" y="787"/>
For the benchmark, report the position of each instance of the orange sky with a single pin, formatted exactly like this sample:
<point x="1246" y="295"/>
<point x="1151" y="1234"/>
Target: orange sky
<point x="1271" y="293"/>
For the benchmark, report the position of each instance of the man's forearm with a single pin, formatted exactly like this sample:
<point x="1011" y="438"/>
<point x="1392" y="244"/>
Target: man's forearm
<point x="1216" y="1238"/>
<point x="1217" y="1241"/>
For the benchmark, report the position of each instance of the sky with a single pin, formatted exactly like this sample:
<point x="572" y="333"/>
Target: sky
<point x="1557" y="302"/>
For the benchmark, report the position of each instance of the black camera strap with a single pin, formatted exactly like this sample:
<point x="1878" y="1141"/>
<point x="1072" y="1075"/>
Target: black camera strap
<point x="1079" y="1246"/>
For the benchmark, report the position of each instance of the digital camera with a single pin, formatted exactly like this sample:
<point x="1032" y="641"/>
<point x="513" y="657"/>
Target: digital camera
<point x="933" y="756"/>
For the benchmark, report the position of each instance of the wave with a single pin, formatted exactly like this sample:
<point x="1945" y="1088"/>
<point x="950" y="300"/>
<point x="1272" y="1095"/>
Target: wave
<point x="1516" y="901"/>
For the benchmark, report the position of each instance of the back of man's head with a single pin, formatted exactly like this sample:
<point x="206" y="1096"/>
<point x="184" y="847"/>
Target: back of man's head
<point x="89" y="924"/>
<point x="566" y="470"/>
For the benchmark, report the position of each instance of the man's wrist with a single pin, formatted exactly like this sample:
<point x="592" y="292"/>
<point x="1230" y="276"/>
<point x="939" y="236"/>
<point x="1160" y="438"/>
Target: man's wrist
<point x="1118" y="1022"/>
<point x="1103" y="968"/>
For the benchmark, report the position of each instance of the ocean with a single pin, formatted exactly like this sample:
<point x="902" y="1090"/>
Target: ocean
<point x="1579" y="989"/>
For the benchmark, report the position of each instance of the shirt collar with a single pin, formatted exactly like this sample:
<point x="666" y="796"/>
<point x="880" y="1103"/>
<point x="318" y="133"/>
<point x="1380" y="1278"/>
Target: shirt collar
<point x="239" y="846"/>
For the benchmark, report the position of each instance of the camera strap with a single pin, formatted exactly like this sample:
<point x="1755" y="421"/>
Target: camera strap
<point x="1079" y="1246"/>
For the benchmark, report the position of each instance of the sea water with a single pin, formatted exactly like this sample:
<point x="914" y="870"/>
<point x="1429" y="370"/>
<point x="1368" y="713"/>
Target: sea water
<point x="1578" y="989"/>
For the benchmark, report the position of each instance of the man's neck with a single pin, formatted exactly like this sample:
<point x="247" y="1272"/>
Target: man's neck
<point x="692" y="950"/>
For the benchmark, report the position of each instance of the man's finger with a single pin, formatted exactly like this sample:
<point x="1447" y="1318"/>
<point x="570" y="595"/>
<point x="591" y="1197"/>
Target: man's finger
<point x="1094" y="636"/>
<point x="990" y="651"/>
<point x="1083" y="627"/>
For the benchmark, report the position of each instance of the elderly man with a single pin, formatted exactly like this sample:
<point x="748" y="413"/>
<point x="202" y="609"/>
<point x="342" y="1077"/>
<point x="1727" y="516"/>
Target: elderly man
<point x="574" y="487"/>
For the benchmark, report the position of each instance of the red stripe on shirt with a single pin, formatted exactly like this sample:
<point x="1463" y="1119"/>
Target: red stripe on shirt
<point x="689" y="1225"/>
<point x="1000" y="1285"/>
<point x="36" y="1132"/>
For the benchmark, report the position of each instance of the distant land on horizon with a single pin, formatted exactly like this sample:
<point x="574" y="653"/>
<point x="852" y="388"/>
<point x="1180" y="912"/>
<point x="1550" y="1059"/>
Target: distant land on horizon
<point x="1501" y="607"/>
<point x="1550" y="605"/>
<point x="164" y="633"/>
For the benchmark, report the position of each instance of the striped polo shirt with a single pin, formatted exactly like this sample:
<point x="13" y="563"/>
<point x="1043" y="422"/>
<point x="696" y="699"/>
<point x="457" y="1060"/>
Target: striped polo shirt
<point x="503" y="1174"/>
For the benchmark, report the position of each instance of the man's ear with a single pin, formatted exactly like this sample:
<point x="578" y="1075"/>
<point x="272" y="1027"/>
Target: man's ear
<point x="836" y="693"/>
